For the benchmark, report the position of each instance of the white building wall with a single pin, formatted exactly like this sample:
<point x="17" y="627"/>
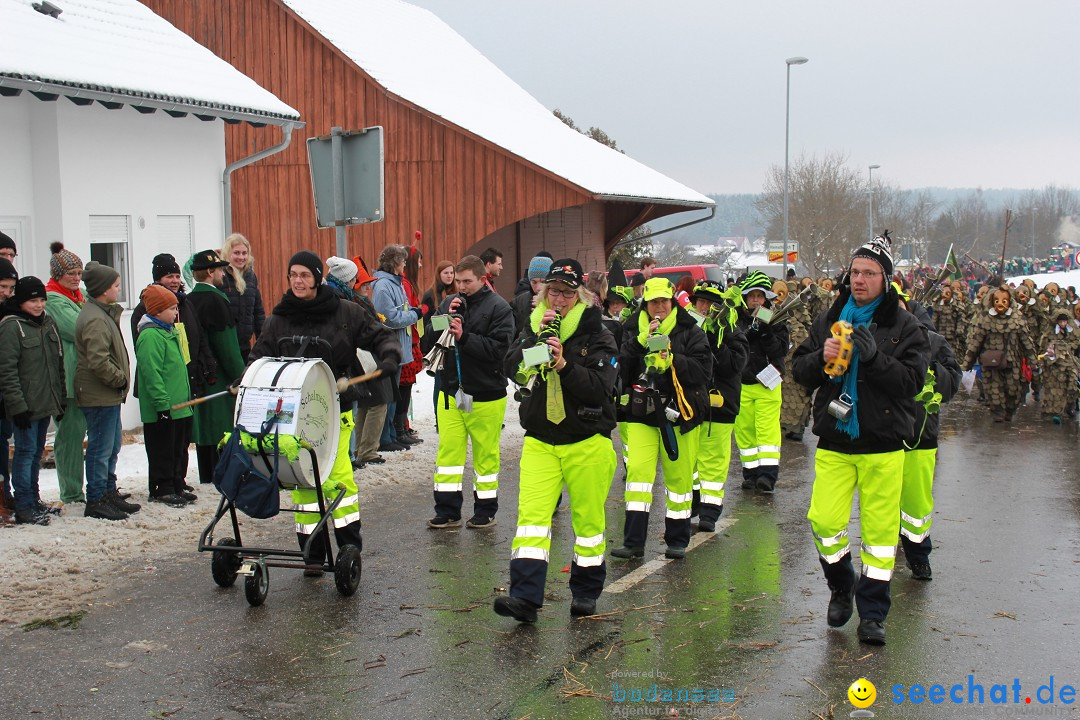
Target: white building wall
<point x="65" y="163"/>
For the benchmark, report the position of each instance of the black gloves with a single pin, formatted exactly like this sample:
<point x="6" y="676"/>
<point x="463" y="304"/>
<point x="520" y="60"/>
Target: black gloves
<point x="865" y="342"/>
<point x="58" y="418"/>
<point x="418" y="311"/>
<point x="164" y="415"/>
<point x="22" y="420"/>
<point x="389" y="367"/>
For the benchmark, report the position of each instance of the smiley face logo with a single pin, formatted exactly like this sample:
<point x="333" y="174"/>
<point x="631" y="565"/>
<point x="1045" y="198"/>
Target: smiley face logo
<point x="862" y="693"/>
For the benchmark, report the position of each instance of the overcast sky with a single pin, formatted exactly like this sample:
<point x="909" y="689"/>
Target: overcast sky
<point x="947" y="93"/>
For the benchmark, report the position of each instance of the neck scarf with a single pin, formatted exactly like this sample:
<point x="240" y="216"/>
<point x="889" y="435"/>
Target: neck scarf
<point x="556" y="410"/>
<point x="75" y="296"/>
<point x="857" y="316"/>
<point x="666" y="325"/>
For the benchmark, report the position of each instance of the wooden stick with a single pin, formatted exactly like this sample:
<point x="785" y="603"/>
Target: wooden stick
<point x="1008" y="224"/>
<point x="343" y="383"/>
<point x="206" y="398"/>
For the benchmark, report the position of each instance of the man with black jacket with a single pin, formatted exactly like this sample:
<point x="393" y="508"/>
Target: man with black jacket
<point x="920" y="454"/>
<point x="729" y="351"/>
<point x="757" y="426"/>
<point x="862" y="418"/>
<point x="472" y="400"/>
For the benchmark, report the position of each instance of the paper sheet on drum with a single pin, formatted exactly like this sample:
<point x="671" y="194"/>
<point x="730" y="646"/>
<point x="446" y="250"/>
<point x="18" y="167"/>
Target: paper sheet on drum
<point x="257" y="405"/>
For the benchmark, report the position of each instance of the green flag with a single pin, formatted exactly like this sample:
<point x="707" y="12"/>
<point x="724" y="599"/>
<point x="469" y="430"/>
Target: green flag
<point x="950" y="259"/>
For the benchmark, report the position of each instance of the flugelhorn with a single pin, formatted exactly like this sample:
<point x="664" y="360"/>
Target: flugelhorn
<point x="932" y="289"/>
<point x="793" y="303"/>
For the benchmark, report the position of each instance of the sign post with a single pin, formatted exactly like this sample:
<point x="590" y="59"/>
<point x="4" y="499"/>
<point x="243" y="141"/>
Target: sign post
<point x="347" y="179"/>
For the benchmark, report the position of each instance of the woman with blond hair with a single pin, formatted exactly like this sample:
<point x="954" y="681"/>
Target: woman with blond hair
<point x="242" y="286"/>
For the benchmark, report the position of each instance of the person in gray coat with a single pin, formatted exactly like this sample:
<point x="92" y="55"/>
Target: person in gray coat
<point x="388" y="297"/>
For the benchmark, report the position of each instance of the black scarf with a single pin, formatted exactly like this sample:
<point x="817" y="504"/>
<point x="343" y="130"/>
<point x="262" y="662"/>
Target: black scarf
<point x="324" y="304"/>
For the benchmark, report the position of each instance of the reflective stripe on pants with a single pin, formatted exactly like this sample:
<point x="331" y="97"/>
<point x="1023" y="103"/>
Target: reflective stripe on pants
<point x="916" y="497"/>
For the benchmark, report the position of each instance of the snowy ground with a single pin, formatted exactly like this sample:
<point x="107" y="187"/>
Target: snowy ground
<point x="1064" y="279"/>
<point x="54" y="570"/>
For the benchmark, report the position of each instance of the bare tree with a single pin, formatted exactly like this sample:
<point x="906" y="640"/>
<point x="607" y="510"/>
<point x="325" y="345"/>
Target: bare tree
<point x="826" y="209"/>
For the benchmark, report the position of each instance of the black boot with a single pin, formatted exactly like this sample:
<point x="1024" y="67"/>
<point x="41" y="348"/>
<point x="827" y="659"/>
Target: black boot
<point x="114" y="499"/>
<point x="841" y="579"/>
<point x="31" y="516"/>
<point x="103" y="510"/>
<point x="518" y="608"/>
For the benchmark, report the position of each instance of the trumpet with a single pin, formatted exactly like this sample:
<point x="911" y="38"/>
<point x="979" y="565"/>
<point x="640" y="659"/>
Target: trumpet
<point x="932" y="290"/>
<point x="433" y="362"/>
<point x="527" y="389"/>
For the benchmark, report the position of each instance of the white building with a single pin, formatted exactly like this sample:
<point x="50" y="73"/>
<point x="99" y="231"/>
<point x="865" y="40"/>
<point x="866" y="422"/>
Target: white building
<point x="112" y="134"/>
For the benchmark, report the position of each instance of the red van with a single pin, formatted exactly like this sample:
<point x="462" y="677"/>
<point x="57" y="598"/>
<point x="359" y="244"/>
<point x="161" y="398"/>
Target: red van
<point x="697" y="272"/>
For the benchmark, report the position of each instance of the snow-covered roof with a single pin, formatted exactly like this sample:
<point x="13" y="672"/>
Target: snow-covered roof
<point x="418" y="57"/>
<point x="119" y="50"/>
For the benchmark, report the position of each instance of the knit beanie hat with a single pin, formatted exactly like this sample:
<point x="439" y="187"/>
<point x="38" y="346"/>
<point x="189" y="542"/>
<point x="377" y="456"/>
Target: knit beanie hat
<point x="164" y="264"/>
<point x="311" y="261"/>
<point x="98" y="278"/>
<point x="758" y="280"/>
<point x="7" y="242"/>
<point x="156" y="299"/>
<point x="880" y="251"/>
<point x="341" y="269"/>
<point x="538" y="267"/>
<point x="28" y="288"/>
<point x="62" y="261"/>
<point x="7" y="270"/>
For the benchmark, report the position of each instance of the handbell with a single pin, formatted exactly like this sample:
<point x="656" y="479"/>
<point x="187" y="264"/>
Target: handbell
<point x="433" y="361"/>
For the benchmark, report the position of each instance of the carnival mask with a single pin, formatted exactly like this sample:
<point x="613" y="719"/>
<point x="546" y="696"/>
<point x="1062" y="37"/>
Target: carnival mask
<point x="781" y="289"/>
<point x="826" y="285"/>
<point x="1023" y="294"/>
<point x="946" y="295"/>
<point x="1044" y="300"/>
<point x="981" y="293"/>
<point x="1002" y="300"/>
<point x="1052" y="288"/>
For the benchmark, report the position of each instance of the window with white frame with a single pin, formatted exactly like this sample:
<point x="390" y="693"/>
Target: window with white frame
<point x="110" y="244"/>
<point x="174" y="234"/>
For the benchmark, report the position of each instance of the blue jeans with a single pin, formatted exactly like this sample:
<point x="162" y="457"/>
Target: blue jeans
<point x="7" y="429"/>
<point x="389" y="434"/>
<point x="29" y="444"/>
<point x="103" y="441"/>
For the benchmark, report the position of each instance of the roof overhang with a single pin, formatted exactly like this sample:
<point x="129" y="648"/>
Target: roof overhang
<point x="688" y="204"/>
<point x="13" y="85"/>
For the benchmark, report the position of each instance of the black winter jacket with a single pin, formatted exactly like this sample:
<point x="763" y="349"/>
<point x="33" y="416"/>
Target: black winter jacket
<point x="947" y="374"/>
<point x="729" y="359"/>
<point x="345" y="325"/>
<point x="588" y="380"/>
<point x="691" y="360"/>
<point x="522" y="305"/>
<point x="247" y="309"/>
<point x="768" y="344"/>
<point x="488" y="324"/>
<point x="887" y="384"/>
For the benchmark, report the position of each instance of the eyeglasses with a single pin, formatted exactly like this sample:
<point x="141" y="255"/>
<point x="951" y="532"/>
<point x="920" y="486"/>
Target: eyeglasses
<point x="301" y="276"/>
<point x="868" y="274"/>
<point x="562" y="293"/>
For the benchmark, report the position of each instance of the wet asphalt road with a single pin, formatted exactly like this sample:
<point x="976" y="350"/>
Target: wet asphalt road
<point x="741" y="619"/>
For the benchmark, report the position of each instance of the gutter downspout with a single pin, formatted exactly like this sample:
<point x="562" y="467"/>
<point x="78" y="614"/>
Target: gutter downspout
<point x="226" y="179"/>
<point x="712" y="213"/>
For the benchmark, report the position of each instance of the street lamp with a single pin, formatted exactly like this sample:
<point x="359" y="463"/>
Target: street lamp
<point x="1033" y="211"/>
<point x="870" y="206"/>
<point x="787" y="126"/>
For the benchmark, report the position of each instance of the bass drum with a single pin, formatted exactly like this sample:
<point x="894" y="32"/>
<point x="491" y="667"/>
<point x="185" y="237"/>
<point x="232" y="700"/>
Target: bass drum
<point x="304" y="393"/>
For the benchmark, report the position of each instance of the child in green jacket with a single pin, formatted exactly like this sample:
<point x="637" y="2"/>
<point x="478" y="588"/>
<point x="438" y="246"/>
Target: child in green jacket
<point x="161" y="382"/>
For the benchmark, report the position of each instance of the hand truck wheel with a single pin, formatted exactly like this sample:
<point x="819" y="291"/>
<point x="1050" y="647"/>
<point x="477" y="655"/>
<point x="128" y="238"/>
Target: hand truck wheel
<point x="223" y="564"/>
<point x="256" y="585"/>
<point x="347" y="570"/>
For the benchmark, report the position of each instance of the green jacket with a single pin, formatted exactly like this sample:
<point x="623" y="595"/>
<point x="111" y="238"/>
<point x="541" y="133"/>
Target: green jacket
<point x="65" y="312"/>
<point x="214" y="418"/>
<point x="162" y="380"/>
<point x="31" y="367"/>
<point x="102" y="372"/>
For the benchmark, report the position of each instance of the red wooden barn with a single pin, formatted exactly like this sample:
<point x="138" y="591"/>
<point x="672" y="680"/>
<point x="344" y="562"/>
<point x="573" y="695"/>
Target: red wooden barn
<point x="471" y="159"/>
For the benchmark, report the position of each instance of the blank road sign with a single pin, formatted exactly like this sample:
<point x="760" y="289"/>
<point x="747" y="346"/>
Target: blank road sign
<point x="361" y="177"/>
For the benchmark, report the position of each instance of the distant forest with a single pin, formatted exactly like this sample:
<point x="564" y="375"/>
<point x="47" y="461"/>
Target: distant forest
<point x="739" y="216"/>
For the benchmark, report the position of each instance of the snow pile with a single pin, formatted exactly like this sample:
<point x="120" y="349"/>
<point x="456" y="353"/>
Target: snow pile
<point x="451" y="79"/>
<point x="122" y="46"/>
<point x="1064" y="279"/>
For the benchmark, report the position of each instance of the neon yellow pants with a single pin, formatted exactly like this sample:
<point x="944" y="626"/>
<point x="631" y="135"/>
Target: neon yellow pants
<point x="757" y="430"/>
<point x="346" y="516"/>
<point x="879" y="478"/>
<point x="917" y="494"/>
<point x="482" y="426"/>
<point x="713" y="459"/>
